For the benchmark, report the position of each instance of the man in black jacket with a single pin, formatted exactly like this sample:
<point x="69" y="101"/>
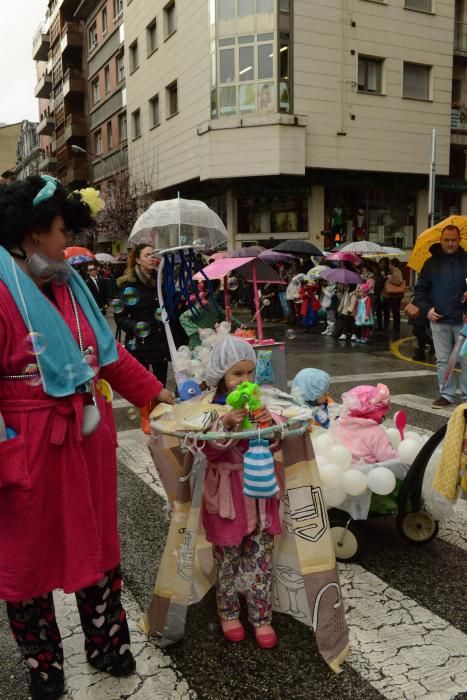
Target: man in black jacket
<point x="97" y="286"/>
<point x="439" y="293"/>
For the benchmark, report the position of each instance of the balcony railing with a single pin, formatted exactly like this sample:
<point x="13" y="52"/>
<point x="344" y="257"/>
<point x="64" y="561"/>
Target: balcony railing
<point x="43" y="87"/>
<point x="459" y="119"/>
<point x="460" y="37"/>
<point x="41" y="44"/>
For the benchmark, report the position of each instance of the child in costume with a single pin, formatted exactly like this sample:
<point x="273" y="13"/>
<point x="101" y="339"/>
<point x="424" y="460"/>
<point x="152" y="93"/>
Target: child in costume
<point x="364" y="315"/>
<point x="310" y="305"/>
<point x="346" y="312"/>
<point x="313" y="385"/>
<point x="360" y="430"/>
<point x="240" y="528"/>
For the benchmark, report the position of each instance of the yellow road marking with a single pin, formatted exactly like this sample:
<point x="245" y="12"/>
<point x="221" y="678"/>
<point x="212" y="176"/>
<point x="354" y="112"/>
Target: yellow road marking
<point x="395" y="349"/>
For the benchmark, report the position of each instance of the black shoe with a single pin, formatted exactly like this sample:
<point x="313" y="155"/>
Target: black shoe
<point x="51" y="689"/>
<point x="122" y="666"/>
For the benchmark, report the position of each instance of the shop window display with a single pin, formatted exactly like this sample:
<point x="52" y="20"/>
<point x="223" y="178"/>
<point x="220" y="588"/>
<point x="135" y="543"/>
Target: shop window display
<point x="272" y="215"/>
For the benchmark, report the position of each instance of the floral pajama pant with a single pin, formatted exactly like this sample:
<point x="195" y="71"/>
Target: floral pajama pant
<point x="103" y="620"/>
<point x="252" y="559"/>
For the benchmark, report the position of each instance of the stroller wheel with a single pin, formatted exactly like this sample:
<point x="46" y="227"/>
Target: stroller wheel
<point x="344" y="539"/>
<point x="417" y="527"/>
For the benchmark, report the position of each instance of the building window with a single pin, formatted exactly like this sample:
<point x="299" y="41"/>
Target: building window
<point x="120" y="64"/>
<point x="107" y="79"/>
<point x="278" y="214"/>
<point x="95" y="91"/>
<point x="227" y="9"/>
<point x="118" y="8"/>
<point x="423" y="5"/>
<point x="151" y="37"/>
<point x="110" y="137"/>
<point x="154" y="113"/>
<point x="92" y="36"/>
<point x="105" y="26"/>
<point x="172" y="99"/>
<point x="134" y="59"/>
<point x="170" y="19"/>
<point x="370" y="74"/>
<point x="122" y="127"/>
<point x="98" y="142"/>
<point x="417" y="79"/>
<point x="136" y="124"/>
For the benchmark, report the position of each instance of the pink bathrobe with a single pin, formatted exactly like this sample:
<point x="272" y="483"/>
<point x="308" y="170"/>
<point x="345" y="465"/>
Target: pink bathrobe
<point x="366" y="439"/>
<point x="60" y="529"/>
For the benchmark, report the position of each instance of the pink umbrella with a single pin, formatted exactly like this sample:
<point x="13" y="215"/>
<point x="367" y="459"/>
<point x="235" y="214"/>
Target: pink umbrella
<point x="252" y="269"/>
<point x="218" y="256"/>
<point x="342" y="256"/>
<point x="249" y="251"/>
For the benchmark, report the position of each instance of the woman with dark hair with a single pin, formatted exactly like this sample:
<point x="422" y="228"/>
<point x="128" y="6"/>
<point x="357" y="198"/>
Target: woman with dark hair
<point x="58" y="500"/>
<point x="392" y="299"/>
<point x="139" y="317"/>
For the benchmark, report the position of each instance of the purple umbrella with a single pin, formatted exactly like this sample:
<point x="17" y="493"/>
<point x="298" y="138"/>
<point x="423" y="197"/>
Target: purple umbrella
<point x="274" y="256"/>
<point x="342" y="256"/>
<point x="342" y="276"/>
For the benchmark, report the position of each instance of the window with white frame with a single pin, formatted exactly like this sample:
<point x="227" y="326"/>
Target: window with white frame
<point x="151" y="37"/>
<point x="105" y="25"/>
<point x="95" y="91"/>
<point x="227" y="9"/>
<point x="120" y="65"/>
<point x="170" y="19"/>
<point x="92" y="36"/>
<point x="172" y="99"/>
<point x="107" y="79"/>
<point x="136" y="124"/>
<point x="134" y="58"/>
<point x="417" y="81"/>
<point x="370" y="74"/>
<point x="422" y="5"/>
<point x="98" y="142"/>
<point x="122" y="127"/>
<point x="154" y="112"/>
<point x="118" y="8"/>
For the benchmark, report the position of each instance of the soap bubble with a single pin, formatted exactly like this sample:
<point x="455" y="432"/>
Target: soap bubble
<point x="142" y="329"/>
<point x="130" y="296"/>
<point x="132" y="413"/>
<point x="33" y="375"/>
<point x="117" y="306"/>
<point x="35" y="343"/>
<point x="381" y="481"/>
<point x="354" y="482"/>
<point x="158" y="315"/>
<point x="92" y="361"/>
<point x="290" y="334"/>
<point x="232" y="284"/>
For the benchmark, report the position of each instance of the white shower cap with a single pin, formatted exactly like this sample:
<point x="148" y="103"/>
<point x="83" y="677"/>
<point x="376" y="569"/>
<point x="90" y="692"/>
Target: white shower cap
<point x="225" y="355"/>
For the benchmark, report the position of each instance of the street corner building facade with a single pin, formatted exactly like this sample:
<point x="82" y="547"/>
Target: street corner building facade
<point x="300" y="118"/>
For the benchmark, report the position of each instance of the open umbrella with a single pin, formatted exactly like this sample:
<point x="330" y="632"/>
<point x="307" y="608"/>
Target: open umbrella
<point x="344" y="256"/>
<point x="315" y="272"/>
<point x="75" y="250"/>
<point x="298" y="247"/>
<point x="80" y="259"/>
<point x="218" y="256"/>
<point x="342" y="276"/>
<point x="361" y="247"/>
<point x="249" y="251"/>
<point x="175" y="223"/>
<point x="425" y="240"/>
<point x="275" y="256"/>
<point x="105" y="258"/>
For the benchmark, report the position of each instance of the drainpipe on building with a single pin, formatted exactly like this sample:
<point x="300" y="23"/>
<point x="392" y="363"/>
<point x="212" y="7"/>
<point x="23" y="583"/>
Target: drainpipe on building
<point x="432" y="181"/>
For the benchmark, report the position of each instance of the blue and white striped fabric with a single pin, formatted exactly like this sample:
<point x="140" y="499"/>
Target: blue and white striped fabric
<point x="259" y="480"/>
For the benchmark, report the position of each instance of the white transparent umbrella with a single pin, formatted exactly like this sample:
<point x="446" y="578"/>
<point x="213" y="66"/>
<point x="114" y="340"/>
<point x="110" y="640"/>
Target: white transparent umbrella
<point x="362" y="247"/>
<point x="179" y="223"/>
<point x="105" y="258"/>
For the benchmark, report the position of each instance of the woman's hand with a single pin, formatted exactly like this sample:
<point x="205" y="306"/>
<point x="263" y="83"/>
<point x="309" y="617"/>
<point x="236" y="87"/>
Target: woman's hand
<point x="233" y="419"/>
<point x="166" y="396"/>
<point x="263" y="415"/>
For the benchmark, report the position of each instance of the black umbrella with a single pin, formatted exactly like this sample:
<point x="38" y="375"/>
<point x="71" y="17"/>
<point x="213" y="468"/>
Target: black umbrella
<point x="297" y="247"/>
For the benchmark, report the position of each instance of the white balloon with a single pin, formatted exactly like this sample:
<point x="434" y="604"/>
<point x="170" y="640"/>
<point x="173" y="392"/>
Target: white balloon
<point x="412" y="435"/>
<point x="354" y="482"/>
<point x="381" y="481"/>
<point x="331" y="475"/>
<point x="322" y="444"/>
<point x="333" y="498"/>
<point x="225" y="328"/>
<point x="408" y="450"/>
<point x="341" y="456"/>
<point x="205" y="333"/>
<point x="394" y="437"/>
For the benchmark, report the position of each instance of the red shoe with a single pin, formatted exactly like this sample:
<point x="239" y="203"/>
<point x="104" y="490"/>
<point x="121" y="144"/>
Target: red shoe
<point x="233" y="632"/>
<point x="266" y="639"/>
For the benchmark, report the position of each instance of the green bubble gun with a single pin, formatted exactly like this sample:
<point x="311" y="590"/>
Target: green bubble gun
<point x="246" y="395"/>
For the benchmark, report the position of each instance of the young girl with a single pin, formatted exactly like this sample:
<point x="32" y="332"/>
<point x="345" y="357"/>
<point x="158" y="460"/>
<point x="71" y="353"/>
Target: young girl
<point x="360" y="429"/>
<point x="364" y="315"/>
<point x="346" y="311"/>
<point x="241" y="529"/>
<point x="313" y="386"/>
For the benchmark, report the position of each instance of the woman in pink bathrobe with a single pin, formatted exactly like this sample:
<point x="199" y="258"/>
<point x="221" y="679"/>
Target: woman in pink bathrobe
<point x="58" y="490"/>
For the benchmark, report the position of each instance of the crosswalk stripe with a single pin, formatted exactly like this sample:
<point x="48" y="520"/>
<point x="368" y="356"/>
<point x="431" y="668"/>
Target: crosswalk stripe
<point x="420" y="403"/>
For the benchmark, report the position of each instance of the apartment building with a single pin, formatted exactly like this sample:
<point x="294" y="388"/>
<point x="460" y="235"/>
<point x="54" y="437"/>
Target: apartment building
<point x="9" y="134"/>
<point x="28" y="152"/>
<point x="105" y="107"/>
<point x="296" y="117"/>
